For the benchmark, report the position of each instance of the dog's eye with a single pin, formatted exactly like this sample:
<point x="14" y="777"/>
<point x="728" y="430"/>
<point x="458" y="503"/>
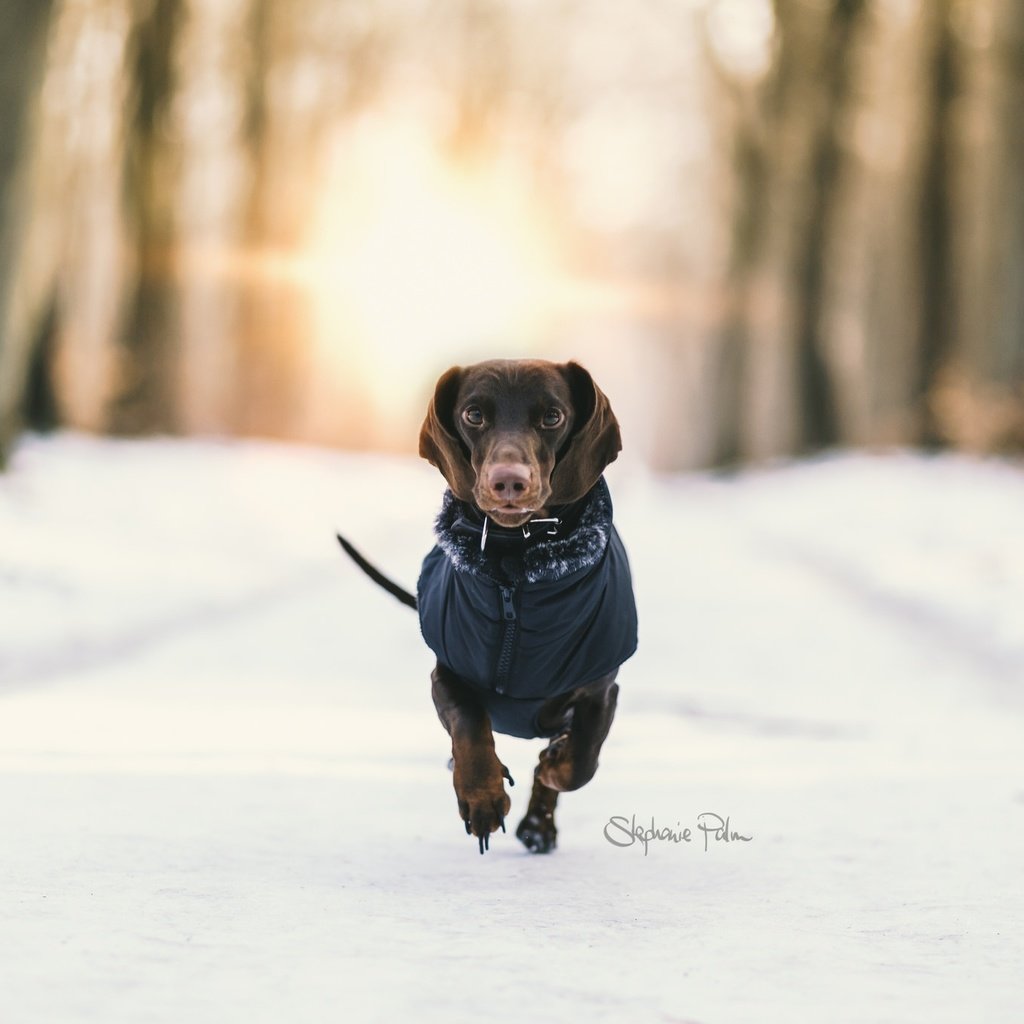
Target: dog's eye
<point x="473" y="416"/>
<point x="553" y="418"/>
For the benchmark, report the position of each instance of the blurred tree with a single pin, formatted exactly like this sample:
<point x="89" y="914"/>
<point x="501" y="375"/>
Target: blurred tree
<point x="768" y="204"/>
<point x="1006" y="326"/>
<point x="146" y="396"/>
<point x="1005" y="334"/>
<point x="980" y="397"/>
<point x="749" y="158"/>
<point x="938" y="323"/>
<point x="818" y="424"/>
<point x="311" y="67"/>
<point x="281" y="137"/>
<point x="482" y="75"/>
<point x="24" y="388"/>
<point x="787" y="162"/>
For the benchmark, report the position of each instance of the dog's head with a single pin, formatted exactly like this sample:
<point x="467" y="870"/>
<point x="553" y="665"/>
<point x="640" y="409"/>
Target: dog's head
<point x="516" y="437"/>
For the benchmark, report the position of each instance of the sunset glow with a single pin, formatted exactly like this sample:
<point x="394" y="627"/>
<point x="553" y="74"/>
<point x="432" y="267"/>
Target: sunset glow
<point x="411" y="256"/>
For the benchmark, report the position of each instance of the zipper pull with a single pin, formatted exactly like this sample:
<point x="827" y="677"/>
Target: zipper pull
<point x="508" y="608"/>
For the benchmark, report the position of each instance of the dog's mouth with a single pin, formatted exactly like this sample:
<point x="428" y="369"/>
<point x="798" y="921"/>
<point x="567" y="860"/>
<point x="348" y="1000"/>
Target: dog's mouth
<point x="511" y="509"/>
<point x="511" y="515"/>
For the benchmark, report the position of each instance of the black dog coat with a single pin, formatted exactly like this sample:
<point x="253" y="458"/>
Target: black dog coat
<point x="527" y="618"/>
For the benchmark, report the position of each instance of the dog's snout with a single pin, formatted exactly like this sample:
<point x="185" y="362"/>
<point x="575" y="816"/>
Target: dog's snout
<point x="509" y="479"/>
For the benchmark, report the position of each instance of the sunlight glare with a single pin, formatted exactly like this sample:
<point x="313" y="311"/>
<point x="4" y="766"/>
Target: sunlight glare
<point x="414" y="260"/>
<point x="741" y="34"/>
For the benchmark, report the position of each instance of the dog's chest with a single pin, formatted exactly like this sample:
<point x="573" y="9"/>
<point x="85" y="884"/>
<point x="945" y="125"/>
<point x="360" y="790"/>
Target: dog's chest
<point x="535" y="626"/>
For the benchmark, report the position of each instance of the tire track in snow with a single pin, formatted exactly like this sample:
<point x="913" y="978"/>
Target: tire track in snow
<point x="960" y="639"/>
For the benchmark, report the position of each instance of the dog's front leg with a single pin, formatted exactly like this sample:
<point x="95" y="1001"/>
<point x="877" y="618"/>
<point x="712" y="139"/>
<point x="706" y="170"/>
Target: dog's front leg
<point x="478" y="774"/>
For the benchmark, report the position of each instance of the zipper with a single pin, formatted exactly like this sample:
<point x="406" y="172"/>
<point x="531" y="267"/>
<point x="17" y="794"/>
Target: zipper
<point x="508" y="637"/>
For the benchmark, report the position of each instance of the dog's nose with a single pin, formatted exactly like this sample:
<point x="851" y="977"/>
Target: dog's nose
<point x="508" y="479"/>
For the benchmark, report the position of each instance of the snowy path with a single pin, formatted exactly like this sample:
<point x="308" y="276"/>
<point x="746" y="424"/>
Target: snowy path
<point x="223" y="791"/>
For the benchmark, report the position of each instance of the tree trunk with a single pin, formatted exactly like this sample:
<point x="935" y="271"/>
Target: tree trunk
<point x="819" y="424"/>
<point x="1007" y="345"/>
<point x="747" y="232"/>
<point x="272" y="329"/>
<point x="147" y="396"/>
<point x="938" y="288"/>
<point x="22" y="63"/>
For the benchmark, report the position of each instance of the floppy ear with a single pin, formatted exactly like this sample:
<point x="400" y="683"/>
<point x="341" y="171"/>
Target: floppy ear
<point x="439" y="444"/>
<point x="593" y="443"/>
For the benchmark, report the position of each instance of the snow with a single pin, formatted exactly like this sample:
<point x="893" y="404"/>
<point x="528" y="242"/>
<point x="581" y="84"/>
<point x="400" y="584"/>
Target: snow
<point x="223" y="785"/>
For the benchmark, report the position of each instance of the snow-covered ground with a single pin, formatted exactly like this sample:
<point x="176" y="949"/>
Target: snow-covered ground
<point x="223" y="790"/>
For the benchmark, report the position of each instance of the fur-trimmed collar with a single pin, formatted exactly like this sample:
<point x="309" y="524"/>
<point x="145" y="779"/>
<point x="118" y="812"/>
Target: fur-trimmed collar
<point x="543" y="560"/>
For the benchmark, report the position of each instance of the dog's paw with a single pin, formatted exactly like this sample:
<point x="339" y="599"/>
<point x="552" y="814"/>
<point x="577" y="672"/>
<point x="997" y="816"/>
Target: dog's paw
<point x="556" y="765"/>
<point x="483" y="802"/>
<point x="484" y="813"/>
<point x="538" y="833"/>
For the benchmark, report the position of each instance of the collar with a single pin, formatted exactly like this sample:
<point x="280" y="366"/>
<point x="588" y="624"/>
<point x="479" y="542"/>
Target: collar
<point x="560" y="522"/>
<point x="541" y="550"/>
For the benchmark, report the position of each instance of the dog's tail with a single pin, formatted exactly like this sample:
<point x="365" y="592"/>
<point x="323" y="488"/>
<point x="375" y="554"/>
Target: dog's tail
<point x="376" y="575"/>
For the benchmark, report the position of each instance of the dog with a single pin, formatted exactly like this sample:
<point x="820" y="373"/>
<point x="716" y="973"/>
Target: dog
<point x="526" y="599"/>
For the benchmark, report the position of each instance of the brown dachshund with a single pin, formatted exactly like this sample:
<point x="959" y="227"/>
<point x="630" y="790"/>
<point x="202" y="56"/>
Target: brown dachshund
<point x="526" y="600"/>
